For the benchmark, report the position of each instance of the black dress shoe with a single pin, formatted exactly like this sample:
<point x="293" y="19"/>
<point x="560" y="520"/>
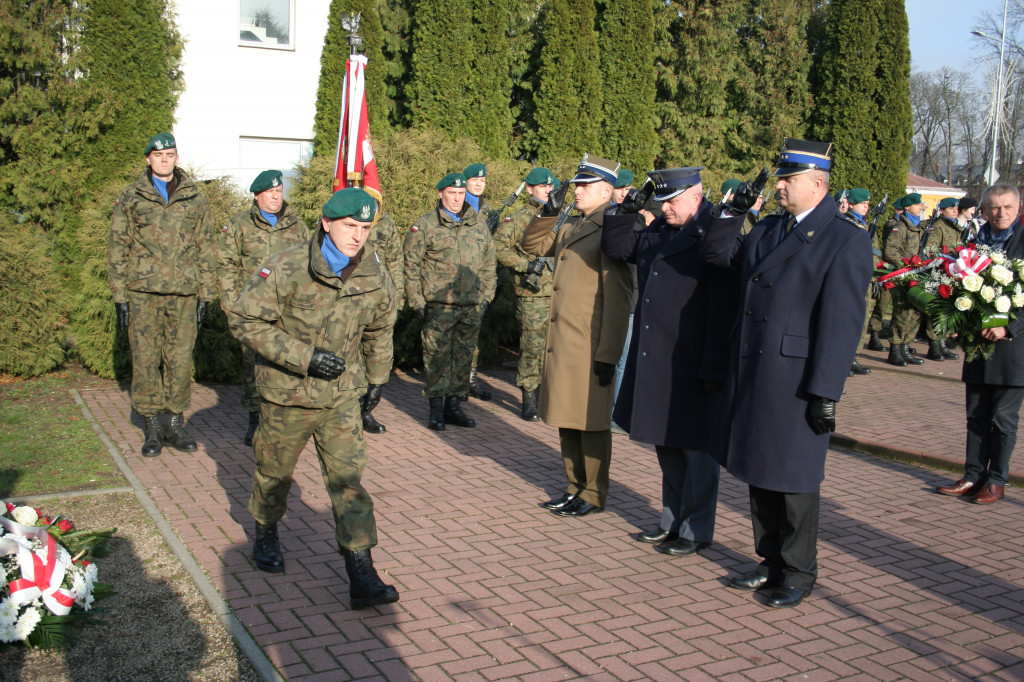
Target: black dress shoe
<point x="578" y="508"/>
<point x="561" y="501"/>
<point x="785" y="596"/>
<point x="683" y="547"/>
<point x="752" y="581"/>
<point x="656" y="536"/>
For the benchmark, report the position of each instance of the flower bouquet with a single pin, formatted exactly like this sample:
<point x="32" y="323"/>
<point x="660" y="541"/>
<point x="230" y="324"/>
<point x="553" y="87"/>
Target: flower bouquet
<point x="963" y="292"/>
<point x="47" y="585"/>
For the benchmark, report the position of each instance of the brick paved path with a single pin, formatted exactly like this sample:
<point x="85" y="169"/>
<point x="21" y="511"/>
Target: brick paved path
<point x="913" y="585"/>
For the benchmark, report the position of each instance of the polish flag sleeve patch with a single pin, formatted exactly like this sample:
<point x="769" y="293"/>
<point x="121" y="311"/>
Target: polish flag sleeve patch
<point x="265" y="272"/>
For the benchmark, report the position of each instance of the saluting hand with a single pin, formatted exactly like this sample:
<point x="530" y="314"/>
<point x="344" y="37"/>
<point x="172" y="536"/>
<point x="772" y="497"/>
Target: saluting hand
<point x="556" y="200"/>
<point x="636" y="199"/>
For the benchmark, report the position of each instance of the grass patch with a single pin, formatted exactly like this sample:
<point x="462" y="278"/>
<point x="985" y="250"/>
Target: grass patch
<point x="47" y="445"/>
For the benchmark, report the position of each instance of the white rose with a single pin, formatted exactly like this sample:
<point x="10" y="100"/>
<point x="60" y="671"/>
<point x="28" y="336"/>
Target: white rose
<point x="1018" y="301"/>
<point x="988" y="293"/>
<point x="997" y="257"/>
<point x="1001" y="274"/>
<point x="26" y="516"/>
<point x="963" y="304"/>
<point x="1003" y="304"/>
<point x="972" y="282"/>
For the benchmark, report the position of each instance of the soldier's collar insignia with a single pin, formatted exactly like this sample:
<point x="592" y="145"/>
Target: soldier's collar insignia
<point x="810" y="233"/>
<point x="265" y="272"/>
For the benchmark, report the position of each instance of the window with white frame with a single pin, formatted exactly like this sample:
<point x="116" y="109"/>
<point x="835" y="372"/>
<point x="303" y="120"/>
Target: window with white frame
<point x="266" y="23"/>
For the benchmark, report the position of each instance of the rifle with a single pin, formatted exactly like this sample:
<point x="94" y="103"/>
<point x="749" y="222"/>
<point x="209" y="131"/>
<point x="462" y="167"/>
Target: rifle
<point x="532" y="282"/>
<point x="874" y="214"/>
<point x="492" y="221"/>
<point x="842" y="196"/>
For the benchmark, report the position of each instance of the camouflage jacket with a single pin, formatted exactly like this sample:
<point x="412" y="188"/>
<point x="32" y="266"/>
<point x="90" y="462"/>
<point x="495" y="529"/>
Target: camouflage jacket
<point x="449" y="262"/>
<point x="162" y="247"/>
<point x="386" y="241"/>
<point x="248" y="240"/>
<point x="295" y="303"/>
<point x="905" y="240"/>
<point x="510" y="253"/>
<point x="951" y="234"/>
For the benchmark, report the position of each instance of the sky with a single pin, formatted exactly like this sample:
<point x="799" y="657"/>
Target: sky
<point x="940" y="32"/>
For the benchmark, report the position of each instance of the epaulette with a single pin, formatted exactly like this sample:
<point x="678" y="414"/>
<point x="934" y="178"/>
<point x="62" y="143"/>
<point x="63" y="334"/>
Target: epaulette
<point x="852" y="221"/>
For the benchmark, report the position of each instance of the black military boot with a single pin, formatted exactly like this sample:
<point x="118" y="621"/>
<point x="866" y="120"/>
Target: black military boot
<point x="154" y="434"/>
<point x="175" y="436"/>
<point x="266" y="550"/>
<point x="366" y="405"/>
<point x="436" y="421"/>
<point x="453" y="414"/>
<point x="254" y="422"/>
<point x="911" y="355"/>
<point x="476" y="389"/>
<point x="858" y="369"/>
<point x="874" y="342"/>
<point x="365" y="586"/>
<point x="947" y="353"/>
<point x="935" y="351"/>
<point x="896" y="356"/>
<point x="529" y="411"/>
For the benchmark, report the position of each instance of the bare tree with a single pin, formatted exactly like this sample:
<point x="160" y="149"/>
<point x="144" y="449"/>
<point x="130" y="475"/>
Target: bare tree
<point x="927" y="133"/>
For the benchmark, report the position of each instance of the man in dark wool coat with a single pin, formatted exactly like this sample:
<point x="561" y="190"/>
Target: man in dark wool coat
<point x="995" y="387"/>
<point x="678" y="353"/>
<point x="802" y="277"/>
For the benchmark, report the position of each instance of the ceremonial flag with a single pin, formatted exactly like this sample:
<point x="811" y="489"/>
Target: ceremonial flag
<point x="355" y="166"/>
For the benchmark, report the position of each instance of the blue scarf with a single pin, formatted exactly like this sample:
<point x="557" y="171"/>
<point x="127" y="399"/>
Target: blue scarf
<point x="161" y="186"/>
<point x="455" y="216"/>
<point x="859" y="218"/>
<point x="269" y="217"/>
<point x="911" y="218"/>
<point x="986" y="237"/>
<point x="336" y="260"/>
<point x="473" y="200"/>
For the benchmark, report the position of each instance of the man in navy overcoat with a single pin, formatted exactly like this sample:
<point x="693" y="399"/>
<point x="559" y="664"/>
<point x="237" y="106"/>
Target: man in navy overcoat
<point x="802" y="277"/>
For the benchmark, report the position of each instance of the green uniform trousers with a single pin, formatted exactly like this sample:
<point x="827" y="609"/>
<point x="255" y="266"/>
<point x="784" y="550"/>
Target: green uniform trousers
<point x="587" y="456"/>
<point x="338" y="436"/>
<point x="162" y="334"/>
<point x="534" y="313"/>
<point x="449" y="335"/>
<point x="250" y="394"/>
<point x="881" y="308"/>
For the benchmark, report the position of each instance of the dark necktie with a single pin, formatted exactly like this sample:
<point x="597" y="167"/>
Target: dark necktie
<point x="787" y="227"/>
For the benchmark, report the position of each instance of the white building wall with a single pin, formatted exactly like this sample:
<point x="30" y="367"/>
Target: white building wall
<point x="246" y="109"/>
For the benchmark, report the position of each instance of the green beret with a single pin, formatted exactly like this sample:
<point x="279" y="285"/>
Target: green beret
<point x="949" y="202"/>
<point x="839" y="195"/>
<point x="452" y="180"/>
<point x="730" y="185"/>
<point x="475" y="170"/>
<point x="911" y="199"/>
<point x="266" y="180"/>
<point x="556" y="184"/>
<point x="858" y="195"/>
<point x="540" y="176"/>
<point x="624" y="179"/>
<point x="160" y="142"/>
<point x="351" y="201"/>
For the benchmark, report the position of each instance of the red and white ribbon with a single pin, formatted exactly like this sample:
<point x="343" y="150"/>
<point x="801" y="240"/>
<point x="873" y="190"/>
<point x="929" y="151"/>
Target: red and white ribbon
<point x="967" y="262"/>
<point x="41" y="577"/>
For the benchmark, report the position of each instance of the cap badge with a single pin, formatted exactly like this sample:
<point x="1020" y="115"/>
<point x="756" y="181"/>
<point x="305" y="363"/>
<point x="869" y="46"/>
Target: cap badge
<point x="274" y="183"/>
<point x="158" y="144"/>
<point x="365" y="212"/>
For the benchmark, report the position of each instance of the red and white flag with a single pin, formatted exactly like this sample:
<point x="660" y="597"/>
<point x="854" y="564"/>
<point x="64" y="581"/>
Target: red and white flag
<point x="355" y="166"/>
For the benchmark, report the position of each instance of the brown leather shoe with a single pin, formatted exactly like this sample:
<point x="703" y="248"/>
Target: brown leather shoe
<point x="958" y="489"/>
<point x="989" y="493"/>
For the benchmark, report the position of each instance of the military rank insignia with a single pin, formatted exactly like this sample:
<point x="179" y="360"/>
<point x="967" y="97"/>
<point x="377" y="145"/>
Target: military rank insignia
<point x="265" y="272"/>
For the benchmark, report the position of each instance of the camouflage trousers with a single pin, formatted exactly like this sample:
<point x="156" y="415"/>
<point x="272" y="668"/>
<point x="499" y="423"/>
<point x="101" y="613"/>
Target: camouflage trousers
<point x="162" y="334"/>
<point x="449" y="335"/>
<point x="867" y="316"/>
<point x="534" y="312"/>
<point x="877" y="312"/>
<point x="906" y="320"/>
<point x="250" y="394"/>
<point x="338" y="436"/>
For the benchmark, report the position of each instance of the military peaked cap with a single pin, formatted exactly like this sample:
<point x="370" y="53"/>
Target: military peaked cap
<point x="672" y="182"/>
<point x="801" y="156"/>
<point x="596" y="169"/>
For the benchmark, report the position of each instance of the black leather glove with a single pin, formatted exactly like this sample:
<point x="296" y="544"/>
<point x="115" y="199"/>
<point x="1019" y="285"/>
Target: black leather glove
<point x="124" y="315"/>
<point x="636" y="199"/>
<point x="821" y="413"/>
<point x="556" y="200"/>
<point x="372" y="397"/>
<point x="535" y="267"/>
<point x="421" y="313"/>
<point x="605" y="372"/>
<point x="201" y="312"/>
<point x="747" y="193"/>
<point x="325" y="365"/>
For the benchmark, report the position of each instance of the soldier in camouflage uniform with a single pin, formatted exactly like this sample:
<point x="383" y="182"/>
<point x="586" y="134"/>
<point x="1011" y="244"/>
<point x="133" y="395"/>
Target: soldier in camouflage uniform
<point x="161" y="265"/>
<point x="858" y="202"/>
<point x="910" y="237"/>
<point x="476" y="183"/>
<point x="269" y="226"/>
<point x="882" y="305"/>
<point x="387" y="243"/>
<point x="319" y="316"/>
<point x="532" y="277"/>
<point x="449" y="280"/>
